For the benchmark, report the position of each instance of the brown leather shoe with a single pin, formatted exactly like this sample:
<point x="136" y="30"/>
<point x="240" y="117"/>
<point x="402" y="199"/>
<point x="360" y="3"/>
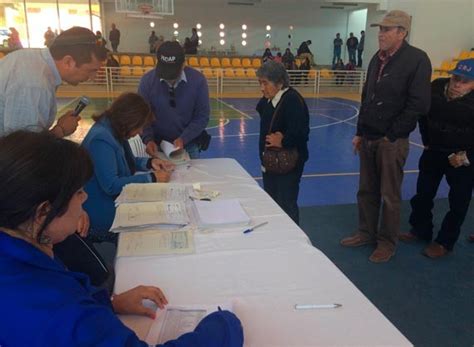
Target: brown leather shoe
<point x="356" y="240"/>
<point x="408" y="237"/>
<point x="435" y="250"/>
<point x="382" y="254"/>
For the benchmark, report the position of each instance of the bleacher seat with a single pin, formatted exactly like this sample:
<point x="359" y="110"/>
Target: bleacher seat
<point x="225" y="63"/>
<point x="251" y="73"/>
<point x="229" y="73"/>
<point x="148" y="61"/>
<point x="240" y="73"/>
<point x="236" y="62"/>
<point x="125" y="60"/>
<point x="326" y="74"/>
<point x="125" y="71"/>
<point x="444" y="66"/>
<point x="193" y="61"/>
<point x="246" y="63"/>
<point x="471" y="55"/>
<point x="137" y="71"/>
<point x="215" y="63"/>
<point x="116" y="57"/>
<point x="137" y="60"/>
<point x="208" y="73"/>
<point x="256" y="63"/>
<point x="463" y="55"/>
<point x="204" y="62"/>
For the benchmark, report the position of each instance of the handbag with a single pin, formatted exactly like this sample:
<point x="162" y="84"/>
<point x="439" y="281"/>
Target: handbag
<point x="203" y="140"/>
<point x="279" y="161"/>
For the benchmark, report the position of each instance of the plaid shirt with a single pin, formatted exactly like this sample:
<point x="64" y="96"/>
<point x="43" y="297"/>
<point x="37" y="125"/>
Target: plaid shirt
<point x="384" y="57"/>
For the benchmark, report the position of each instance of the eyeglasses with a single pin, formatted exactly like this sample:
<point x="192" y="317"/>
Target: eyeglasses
<point x="172" y="97"/>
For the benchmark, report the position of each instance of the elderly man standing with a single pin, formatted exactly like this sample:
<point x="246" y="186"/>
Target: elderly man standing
<point x="395" y="94"/>
<point x="448" y="135"/>
<point x="179" y="98"/>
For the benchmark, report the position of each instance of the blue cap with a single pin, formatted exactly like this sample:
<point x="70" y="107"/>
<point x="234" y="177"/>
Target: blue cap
<point x="464" y="68"/>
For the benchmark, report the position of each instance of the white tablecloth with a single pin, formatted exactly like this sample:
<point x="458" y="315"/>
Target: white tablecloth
<point x="263" y="273"/>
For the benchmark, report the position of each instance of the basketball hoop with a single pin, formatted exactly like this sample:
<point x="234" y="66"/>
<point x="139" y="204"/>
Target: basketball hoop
<point x="145" y="8"/>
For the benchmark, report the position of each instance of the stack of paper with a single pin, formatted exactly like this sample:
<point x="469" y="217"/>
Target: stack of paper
<point x="147" y="205"/>
<point x="130" y="216"/>
<point x="156" y="242"/>
<point x="144" y="192"/>
<point x="176" y="155"/>
<point x="220" y="213"/>
<point x="175" y="321"/>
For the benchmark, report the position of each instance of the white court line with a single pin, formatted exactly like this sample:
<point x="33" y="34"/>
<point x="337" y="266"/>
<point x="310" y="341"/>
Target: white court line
<point x="233" y="108"/>
<point x="227" y="121"/>
<point x="338" y="174"/>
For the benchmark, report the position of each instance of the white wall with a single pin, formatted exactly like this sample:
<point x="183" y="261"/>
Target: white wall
<point x="309" y="21"/>
<point x="441" y="28"/>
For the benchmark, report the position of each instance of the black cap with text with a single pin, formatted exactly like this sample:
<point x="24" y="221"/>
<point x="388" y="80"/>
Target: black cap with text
<point x="170" y="59"/>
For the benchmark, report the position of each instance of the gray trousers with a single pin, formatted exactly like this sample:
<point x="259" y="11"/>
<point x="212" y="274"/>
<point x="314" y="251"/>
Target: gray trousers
<point x="380" y="181"/>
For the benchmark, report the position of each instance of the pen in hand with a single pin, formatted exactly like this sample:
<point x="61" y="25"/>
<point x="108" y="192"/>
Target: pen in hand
<point x="255" y="227"/>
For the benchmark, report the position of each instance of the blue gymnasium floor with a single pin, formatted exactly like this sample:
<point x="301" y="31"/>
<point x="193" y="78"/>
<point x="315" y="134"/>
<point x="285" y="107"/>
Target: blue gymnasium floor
<point x="331" y="174"/>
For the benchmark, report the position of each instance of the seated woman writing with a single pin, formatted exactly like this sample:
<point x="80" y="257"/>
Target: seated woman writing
<point x="114" y="163"/>
<point x="43" y="304"/>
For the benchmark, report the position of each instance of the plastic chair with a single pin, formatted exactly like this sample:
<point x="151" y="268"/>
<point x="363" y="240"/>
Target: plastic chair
<point x="125" y="71"/>
<point x="193" y="61"/>
<point x="229" y="73"/>
<point x="148" y="61"/>
<point x="246" y="63"/>
<point x="125" y="60"/>
<point x="207" y="72"/>
<point x="225" y="63"/>
<point x="236" y="62"/>
<point x="215" y="62"/>
<point x="137" y="71"/>
<point x="463" y="55"/>
<point x="137" y="60"/>
<point x="204" y="62"/>
<point x="444" y="66"/>
<point x="138" y="147"/>
<point x="256" y="63"/>
<point x="240" y="73"/>
<point x="251" y="73"/>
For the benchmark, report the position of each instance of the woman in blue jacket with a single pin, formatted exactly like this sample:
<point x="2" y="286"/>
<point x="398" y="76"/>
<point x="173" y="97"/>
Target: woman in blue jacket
<point x="42" y="303"/>
<point x="114" y="163"/>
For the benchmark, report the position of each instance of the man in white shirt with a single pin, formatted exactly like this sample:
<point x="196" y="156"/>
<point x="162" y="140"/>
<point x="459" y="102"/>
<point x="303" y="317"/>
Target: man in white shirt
<point x="30" y="77"/>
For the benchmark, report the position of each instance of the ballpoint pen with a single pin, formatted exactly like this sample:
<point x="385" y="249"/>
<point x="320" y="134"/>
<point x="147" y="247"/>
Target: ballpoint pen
<point x="313" y="306"/>
<point x="255" y="227"/>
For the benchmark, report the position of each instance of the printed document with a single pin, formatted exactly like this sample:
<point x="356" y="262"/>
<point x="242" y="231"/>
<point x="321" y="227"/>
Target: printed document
<point x="145" y="192"/>
<point x="149" y="213"/>
<point x="156" y="242"/>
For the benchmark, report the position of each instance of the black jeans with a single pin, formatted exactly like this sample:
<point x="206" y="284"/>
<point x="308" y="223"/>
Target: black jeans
<point x="79" y="255"/>
<point x="433" y="166"/>
<point x="284" y="190"/>
<point x="359" y="57"/>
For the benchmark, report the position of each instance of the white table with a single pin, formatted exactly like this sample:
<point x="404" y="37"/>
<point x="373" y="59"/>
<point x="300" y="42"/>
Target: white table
<point x="264" y="273"/>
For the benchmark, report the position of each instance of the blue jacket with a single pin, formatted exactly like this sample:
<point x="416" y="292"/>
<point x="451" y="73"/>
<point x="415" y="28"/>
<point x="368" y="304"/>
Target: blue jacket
<point x="43" y="304"/>
<point x="111" y="174"/>
<point x="191" y="114"/>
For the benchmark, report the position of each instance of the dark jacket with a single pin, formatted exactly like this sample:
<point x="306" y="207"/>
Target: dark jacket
<point x="449" y="126"/>
<point x="292" y="121"/>
<point x="391" y="106"/>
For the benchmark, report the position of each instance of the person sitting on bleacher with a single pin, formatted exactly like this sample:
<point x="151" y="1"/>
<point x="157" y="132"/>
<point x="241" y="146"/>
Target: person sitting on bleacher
<point x="267" y="55"/>
<point x="43" y="303"/>
<point x="114" y="163"/>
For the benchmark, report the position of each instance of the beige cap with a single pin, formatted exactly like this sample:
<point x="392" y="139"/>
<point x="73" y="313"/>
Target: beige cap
<point x="395" y="18"/>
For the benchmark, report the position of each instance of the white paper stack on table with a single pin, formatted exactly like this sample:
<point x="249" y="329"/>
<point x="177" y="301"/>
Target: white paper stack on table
<point x="220" y="213"/>
<point x="145" y="206"/>
<point x="176" y="155"/>
<point x="174" y="321"/>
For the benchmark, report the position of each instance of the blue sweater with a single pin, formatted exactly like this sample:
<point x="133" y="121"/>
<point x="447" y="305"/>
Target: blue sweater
<point x="191" y="114"/>
<point x="111" y="174"/>
<point x="43" y="304"/>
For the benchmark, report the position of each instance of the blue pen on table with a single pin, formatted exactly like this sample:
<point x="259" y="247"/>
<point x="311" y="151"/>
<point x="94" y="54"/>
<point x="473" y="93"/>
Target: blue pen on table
<point x="255" y="227"/>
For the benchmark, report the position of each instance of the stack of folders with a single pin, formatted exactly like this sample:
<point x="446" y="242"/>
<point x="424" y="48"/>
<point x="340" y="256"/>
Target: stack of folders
<point x="220" y="213"/>
<point x="145" y="206"/>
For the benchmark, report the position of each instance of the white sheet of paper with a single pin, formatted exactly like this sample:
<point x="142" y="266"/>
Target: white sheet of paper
<point x="156" y="242"/>
<point x="175" y="321"/>
<point x="149" y="213"/>
<point x="169" y="149"/>
<point x="145" y="192"/>
<point x="221" y="212"/>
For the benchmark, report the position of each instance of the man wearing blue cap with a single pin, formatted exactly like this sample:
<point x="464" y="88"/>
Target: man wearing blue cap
<point x="448" y="136"/>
